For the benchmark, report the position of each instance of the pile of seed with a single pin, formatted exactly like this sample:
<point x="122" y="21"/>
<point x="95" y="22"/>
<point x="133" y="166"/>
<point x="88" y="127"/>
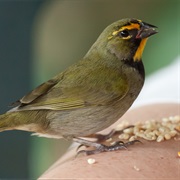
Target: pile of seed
<point x="151" y="130"/>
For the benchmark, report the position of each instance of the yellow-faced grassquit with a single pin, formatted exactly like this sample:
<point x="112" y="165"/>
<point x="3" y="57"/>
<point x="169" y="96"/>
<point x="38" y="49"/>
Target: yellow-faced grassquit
<point x="90" y="95"/>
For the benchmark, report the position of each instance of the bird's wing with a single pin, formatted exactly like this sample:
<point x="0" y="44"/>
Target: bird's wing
<point x="37" y="92"/>
<point x="61" y="93"/>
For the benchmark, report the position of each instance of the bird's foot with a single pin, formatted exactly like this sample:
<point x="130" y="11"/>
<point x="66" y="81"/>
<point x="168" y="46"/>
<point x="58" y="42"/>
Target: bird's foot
<point x="101" y="147"/>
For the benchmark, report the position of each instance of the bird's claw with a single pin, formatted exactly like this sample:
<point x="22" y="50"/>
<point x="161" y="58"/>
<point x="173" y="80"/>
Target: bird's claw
<point x="104" y="148"/>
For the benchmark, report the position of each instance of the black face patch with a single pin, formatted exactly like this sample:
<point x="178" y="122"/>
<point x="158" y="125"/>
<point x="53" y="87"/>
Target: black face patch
<point x="138" y="65"/>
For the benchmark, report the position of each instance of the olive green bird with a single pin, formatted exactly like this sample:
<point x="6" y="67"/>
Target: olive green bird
<point x="90" y="95"/>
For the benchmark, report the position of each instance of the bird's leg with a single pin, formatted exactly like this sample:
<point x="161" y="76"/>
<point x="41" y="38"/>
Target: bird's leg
<point x="101" y="147"/>
<point x="113" y="132"/>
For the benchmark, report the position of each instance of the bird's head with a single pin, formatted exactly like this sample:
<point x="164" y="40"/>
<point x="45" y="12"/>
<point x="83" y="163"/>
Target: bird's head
<point x="125" y="39"/>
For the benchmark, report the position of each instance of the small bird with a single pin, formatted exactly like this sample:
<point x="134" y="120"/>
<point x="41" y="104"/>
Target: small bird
<point x="90" y="95"/>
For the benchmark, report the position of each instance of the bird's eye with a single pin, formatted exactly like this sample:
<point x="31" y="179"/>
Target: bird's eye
<point x="124" y="33"/>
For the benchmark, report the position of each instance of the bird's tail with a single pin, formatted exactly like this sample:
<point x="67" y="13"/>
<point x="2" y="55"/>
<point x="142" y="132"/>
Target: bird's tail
<point x="7" y="121"/>
<point x="23" y="120"/>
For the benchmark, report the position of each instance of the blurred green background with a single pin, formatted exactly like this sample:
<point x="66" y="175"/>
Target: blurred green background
<point x="39" y="38"/>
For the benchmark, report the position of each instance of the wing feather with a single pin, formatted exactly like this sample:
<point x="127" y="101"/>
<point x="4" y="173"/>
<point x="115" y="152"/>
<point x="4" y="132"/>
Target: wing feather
<point x="69" y="90"/>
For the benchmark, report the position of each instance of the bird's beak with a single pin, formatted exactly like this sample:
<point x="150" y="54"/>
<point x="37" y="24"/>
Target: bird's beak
<point x="146" y="31"/>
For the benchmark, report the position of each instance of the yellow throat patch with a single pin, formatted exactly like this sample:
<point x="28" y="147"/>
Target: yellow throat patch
<point x="140" y="49"/>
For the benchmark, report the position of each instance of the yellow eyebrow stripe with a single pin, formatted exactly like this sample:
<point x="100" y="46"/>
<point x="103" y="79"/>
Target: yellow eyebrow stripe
<point x="130" y="27"/>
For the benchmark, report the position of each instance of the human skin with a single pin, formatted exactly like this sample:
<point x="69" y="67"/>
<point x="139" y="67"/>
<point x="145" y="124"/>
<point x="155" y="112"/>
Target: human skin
<point x="146" y="160"/>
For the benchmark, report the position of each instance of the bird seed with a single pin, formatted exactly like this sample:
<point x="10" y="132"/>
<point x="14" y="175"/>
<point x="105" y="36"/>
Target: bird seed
<point x="152" y="130"/>
<point x="91" y="161"/>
